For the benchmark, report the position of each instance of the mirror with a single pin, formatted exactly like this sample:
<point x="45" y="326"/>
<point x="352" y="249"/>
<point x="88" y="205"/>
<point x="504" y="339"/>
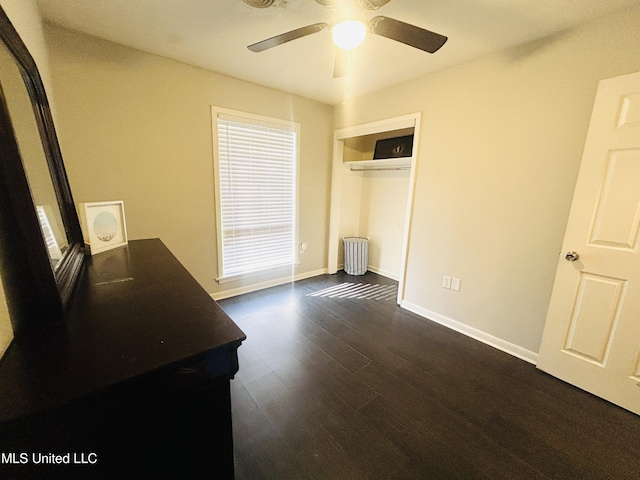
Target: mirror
<point x="41" y="246"/>
<point x="33" y="157"/>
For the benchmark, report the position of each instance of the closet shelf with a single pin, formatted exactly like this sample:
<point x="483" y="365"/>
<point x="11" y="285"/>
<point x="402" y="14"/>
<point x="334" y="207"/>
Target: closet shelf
<point x="403" y="163"/>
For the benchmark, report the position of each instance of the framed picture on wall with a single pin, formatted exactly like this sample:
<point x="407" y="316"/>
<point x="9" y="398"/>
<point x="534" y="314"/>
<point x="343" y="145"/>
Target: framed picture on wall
<point x="103" y="225"/>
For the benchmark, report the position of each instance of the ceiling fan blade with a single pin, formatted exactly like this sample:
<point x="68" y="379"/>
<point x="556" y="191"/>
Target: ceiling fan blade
<point x="287" y="37"/>
<point x="341" y="63"/>
<point x="408" y="34"/>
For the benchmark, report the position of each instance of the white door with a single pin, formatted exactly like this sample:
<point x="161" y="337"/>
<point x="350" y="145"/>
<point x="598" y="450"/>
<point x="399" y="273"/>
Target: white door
<point x="592" y="333"/>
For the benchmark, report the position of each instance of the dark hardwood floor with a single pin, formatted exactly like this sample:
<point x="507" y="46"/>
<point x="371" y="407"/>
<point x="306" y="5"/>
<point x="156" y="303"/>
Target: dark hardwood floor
<point x="344" y="388"/>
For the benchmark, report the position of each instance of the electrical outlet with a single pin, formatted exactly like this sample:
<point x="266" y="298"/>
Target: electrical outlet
<point x="455" y="284"/>
<point x="446" y="282"/>
<point x="303" y="247"/>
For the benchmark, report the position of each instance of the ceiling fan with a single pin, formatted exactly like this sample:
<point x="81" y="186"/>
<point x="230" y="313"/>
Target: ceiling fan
<point x="349" y="32"/>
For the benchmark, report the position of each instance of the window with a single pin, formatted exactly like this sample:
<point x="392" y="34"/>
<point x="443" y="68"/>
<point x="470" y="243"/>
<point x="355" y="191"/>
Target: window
<point x="255" y="161"/>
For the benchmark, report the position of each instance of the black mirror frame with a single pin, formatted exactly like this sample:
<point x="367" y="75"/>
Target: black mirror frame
<point x="35" y="293"/>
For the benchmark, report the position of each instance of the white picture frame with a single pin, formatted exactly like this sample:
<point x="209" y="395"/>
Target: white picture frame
<point x="103" y="225"/>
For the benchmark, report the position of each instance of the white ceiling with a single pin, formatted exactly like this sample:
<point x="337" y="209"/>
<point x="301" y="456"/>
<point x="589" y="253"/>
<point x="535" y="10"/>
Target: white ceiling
<point x="214" y="34"/>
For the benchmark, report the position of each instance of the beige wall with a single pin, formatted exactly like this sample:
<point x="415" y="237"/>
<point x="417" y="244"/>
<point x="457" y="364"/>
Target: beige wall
<point x="137" y="127"/>
<point x="350" y="208"/>
<point x="374" y="204"/>
<point x="500" y="147"/>
<point x="382" y="218"/>
<point x="26" y="19"/>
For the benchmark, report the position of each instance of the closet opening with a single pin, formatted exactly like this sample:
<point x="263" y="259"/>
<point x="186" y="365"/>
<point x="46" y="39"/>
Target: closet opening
<point x="372" y="193"/>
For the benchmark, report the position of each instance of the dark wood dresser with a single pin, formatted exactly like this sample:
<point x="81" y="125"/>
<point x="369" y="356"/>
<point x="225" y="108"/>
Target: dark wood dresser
<point x="133" y="383"/>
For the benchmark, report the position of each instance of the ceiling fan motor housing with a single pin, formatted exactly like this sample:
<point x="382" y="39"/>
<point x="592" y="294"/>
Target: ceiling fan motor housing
<point x="374" y="4"/>
<point x="368" y="4"/>
<point x="259" y="3"/>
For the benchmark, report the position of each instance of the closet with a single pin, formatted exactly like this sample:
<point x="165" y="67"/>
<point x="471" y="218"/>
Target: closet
<point x="372" y="190"/>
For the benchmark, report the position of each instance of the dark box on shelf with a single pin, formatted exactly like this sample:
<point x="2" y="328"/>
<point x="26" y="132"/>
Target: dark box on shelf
<point x="396" y="147"/>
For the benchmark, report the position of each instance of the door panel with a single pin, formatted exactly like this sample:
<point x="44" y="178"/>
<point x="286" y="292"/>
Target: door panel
<point x="615" y="223"/>
<point x="595" y="311"/>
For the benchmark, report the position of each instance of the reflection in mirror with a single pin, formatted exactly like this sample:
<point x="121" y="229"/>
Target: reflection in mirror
<point x="6" y="331"/>
<point x="41" y="245"/>
<point x="33" y="157"/>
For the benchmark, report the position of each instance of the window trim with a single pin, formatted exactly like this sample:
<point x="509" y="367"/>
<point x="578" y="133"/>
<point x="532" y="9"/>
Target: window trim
<point x="251" y="118"/>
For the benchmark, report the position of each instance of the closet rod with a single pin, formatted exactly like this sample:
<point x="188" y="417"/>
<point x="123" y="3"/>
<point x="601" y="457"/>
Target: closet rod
<point x="379" y="168"/>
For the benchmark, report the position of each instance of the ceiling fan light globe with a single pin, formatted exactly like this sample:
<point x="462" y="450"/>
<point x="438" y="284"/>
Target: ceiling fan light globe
<point x="349" y="34"/>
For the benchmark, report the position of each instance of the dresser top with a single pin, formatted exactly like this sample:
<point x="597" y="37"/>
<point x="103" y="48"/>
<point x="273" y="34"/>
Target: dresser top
<point x="136" y="311"/>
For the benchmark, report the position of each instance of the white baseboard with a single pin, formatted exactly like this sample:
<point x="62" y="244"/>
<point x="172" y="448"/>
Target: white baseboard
<point x="384" y="273"/>
<point x="484" y="337"/>
<point x="232" y="292"/>
<point x="379" y="271"/>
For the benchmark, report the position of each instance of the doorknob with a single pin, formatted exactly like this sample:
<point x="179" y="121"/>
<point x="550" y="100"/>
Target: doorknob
<point x="571" y="256"/>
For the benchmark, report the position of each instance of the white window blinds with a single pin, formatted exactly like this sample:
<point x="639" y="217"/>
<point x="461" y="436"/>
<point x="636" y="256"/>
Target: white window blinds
<point x="256" y="172"/>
